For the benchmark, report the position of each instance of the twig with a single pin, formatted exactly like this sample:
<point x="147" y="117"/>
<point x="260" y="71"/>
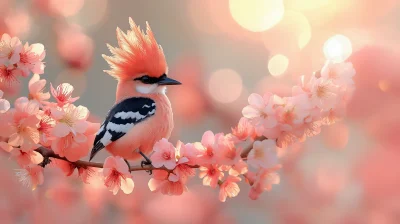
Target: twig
<point x="48" y="153"/>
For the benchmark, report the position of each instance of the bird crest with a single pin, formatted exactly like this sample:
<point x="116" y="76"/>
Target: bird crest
<point x="137" y="53"/>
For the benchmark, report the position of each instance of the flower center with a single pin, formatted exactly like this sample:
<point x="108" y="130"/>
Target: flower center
<point x="45" y="125"/>
<point x="23" y="58"/>
<point x="264" y="115"/>
<point x="259" y="153"/>
<point x="166" y="155"/>
<point x="210" y="152"/>
<point x="112" y="179"/>
<point x="211" y="172"/>
<point x="288" y="116"/>
<point x="7" y="75"/>
<point x="322" y="91"/>
<point x="68" y="120"/>
<point x="332" y="74"/>
<point x="231" y="154"/>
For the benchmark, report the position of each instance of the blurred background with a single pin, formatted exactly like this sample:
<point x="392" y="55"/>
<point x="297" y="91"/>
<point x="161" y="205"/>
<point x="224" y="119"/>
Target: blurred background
<point x="222" y="51"/>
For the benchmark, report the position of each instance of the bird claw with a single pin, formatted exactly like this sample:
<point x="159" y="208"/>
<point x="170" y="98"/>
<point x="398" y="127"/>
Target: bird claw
<point x="145" y="163"/>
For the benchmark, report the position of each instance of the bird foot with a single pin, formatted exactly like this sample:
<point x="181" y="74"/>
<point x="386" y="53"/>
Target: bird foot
<point x="147" y="161"/>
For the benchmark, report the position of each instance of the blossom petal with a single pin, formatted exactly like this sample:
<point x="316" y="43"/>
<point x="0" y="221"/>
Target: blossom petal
<point x="250" y="112"/>
<point x="127" y="185"/>
<point x="208" y="139"/>
<point x="4" y="105"/>
<point x="81" y="113"/>
<point x="16" y="140"/>
<point x="36" y="157"/>
<point x="256" y="100"/>
<point x="154" y="184"/>
<point x="61" y="130"/>
<point x="80" y="126"/>
<point x="6" y="147"/>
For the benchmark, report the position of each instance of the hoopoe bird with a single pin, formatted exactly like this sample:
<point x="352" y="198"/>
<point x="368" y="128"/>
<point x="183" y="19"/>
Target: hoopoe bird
<point x="142" y="113"/>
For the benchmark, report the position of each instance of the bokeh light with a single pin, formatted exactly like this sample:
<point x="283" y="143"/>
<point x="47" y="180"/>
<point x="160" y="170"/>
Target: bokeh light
<point x="278" y="64"/>
<point x="290" y="35"/>
<point x="89" y="18"/>
<point x="65" y="7"/>
<point x="225" y="85"/>
<point x="257" y="15"/>
<point x="18" y="23"/>
<point x="75" y="47"/>
<point x="337" y="48"/>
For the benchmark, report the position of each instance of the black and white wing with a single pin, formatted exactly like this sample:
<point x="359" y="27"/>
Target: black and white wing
<point x="122" y="118"/>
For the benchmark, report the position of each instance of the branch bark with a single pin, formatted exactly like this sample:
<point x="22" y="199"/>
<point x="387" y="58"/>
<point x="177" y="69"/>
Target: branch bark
<point x="48" y="153"/>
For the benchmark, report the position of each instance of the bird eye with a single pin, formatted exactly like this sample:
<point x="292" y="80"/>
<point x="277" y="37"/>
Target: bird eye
<point x="144" y="78"/>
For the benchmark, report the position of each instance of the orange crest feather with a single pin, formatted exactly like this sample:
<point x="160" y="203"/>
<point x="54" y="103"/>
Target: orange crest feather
<point x="138" y="54"/>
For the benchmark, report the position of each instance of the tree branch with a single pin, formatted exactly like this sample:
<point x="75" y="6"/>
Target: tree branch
<point x="48" y="153"/>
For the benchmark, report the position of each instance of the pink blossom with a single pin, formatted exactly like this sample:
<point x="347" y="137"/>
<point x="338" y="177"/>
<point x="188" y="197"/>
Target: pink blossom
<point x="287" y="138"/>
<point x="211" y="174"/>
<point x="36" y="87"/>
<point x="46" y="124"/>
<point x="168" y="184"/>
<point x="6" y="147"/>
<point x="86" y="173"/>
<point x="117" y="175"/>
<point x="164" y="155"/>
<point x="244" y="130"/>
<point x="66" y="167"/>
<point x="187" y="153"/>
<point x="229" y="188"/>
<point x="20" y="125"/>
<point x="263" y="181"/>
<point x="9" y="75"/>
<point x="4" y="104"/>
<point x="74" y="148"/>
<point x="341" y="74"/>
<point x="31" y="58"/>
<point x="26" y="158"/>
<point x="227" y="153"/>
<point x="209" y="148"/>
<point x="9" y="50"/>
<point x="263" y="154"/>
<point x="260" y="112"/>
<point x="323" y="93"/>
<point x="293" y="110"/>
<point x="31" y="176"/>
<point x="186" y="156"/>
<point x="70" y="138"/>
<point x="238" y="168"/>
<point x="63" y="94"/>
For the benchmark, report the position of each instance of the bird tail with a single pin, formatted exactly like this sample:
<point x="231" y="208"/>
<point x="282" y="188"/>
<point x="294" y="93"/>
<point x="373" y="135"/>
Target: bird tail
<point x="96" y="148"/>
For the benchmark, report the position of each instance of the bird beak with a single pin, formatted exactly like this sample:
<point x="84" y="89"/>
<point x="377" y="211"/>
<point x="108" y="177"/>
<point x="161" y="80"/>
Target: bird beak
<point x="168" y="81"/>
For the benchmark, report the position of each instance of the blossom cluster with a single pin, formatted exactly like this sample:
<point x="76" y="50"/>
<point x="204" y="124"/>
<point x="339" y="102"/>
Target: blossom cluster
<point x="269" y="122"/>
<point x="18" y="60"/>
<point x="34" y="121"/>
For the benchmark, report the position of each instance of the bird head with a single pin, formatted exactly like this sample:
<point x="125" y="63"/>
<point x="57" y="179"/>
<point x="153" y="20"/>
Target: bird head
<point x="139" y="60"/>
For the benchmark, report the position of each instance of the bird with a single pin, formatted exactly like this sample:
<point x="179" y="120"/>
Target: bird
<point x="142" y="113"/>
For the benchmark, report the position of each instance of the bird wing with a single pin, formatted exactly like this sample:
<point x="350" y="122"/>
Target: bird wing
<point x="120" y="119"/>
